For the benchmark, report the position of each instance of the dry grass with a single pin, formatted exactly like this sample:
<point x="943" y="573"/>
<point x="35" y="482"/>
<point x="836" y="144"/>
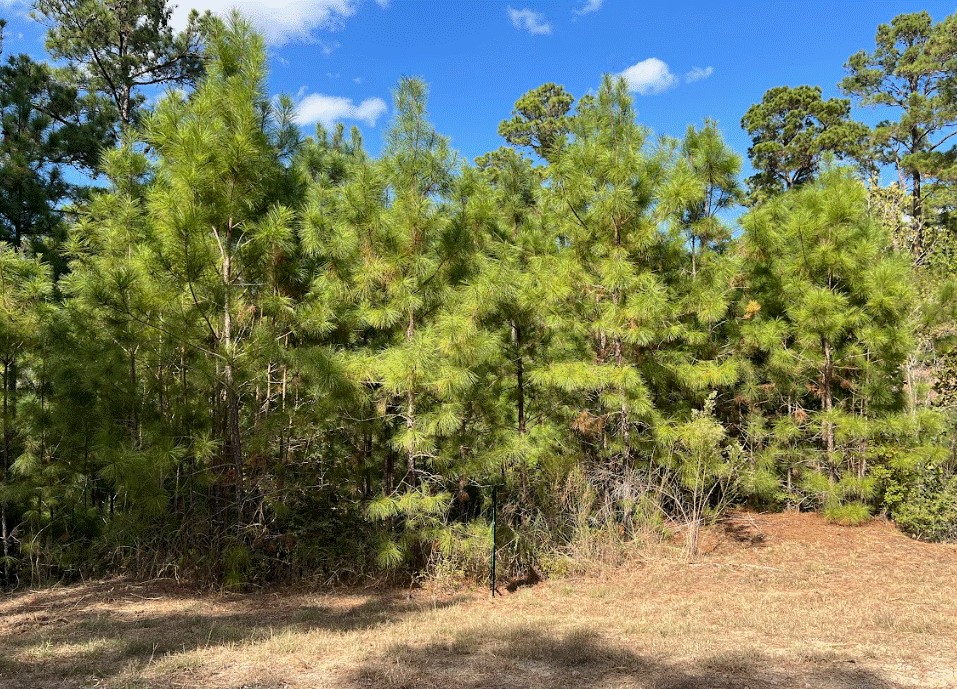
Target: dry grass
<point x="775" y="601"/>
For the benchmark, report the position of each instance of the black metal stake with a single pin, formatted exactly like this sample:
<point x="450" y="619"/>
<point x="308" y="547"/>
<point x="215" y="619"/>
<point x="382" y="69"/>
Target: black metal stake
<point x="494" y="516"/>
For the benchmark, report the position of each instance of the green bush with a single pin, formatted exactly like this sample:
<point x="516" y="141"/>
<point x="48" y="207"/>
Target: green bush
<point x="848" y="514"/>
<point x="918" y="489"/>
<point x="237" y="563"/>
<point x="926" y="509"/>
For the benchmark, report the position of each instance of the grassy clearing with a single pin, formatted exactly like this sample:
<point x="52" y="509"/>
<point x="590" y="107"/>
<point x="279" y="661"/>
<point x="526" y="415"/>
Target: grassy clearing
<point x="775" y="601"/>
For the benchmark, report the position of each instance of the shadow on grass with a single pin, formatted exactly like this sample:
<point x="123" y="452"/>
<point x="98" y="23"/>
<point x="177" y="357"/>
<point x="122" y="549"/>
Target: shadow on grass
<point x="521" y="657"/>
<point x="68" y="638"/>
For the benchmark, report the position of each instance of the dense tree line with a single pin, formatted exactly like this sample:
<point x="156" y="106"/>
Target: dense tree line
<point x="241" y="354"/>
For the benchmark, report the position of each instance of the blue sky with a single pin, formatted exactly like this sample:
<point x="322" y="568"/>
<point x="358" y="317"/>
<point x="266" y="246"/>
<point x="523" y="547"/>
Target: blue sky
<point x="341" y="59"/>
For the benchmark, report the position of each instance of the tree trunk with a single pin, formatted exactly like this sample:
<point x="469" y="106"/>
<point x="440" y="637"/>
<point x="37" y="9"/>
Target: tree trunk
<point x="694" y="257"/>
<point x="410" y="408"/>
<point x="6" y="543"/>
<point x="910" y="384"/>
<point x="827" y="402"/>
<point x="389" y="477"/>
<point x="625" y="423"/>
<point x="134" y="402"/>
<point x="917" y="211"/>
<point x="7" y="449"/>
<point x="232" y="394"/>
<point x="519" y="377"/>
<point x="366" y="463"/>
<point x="619" y="362"/>
<point x="235" y="444"/>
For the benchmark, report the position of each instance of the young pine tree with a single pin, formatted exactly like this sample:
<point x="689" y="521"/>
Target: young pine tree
<point x="827" y="331"/>
<point x="25" y="303"/>
<point x="608" y="306"/>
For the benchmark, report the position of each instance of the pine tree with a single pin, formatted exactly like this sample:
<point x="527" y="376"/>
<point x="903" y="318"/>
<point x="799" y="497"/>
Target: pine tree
<point x="637" y="293"/>
<point x="507" y="294"/>
<point x="183" y="263"/>
<point x="608" y="306"/>
<point x="119" y="48"/>
<point x="828" y="329"/>
<point x="792" y="130"/>
<point x="539" y="120"/>
<point x="25" y="292"/>
<point x="702" y="187"/>
<point x="220" y="226"/>
<point x="912" y="69"/>
<point x="45" y="134"/>
<point x="390" y="254"/>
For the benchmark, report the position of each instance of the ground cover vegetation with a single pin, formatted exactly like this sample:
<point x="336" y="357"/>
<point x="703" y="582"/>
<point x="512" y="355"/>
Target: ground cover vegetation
<point x="779" y="600"/>
<point x="237" y="354"/>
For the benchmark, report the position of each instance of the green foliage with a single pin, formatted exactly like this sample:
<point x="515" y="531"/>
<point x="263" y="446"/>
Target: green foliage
<point x="927" y="510"/>
<point x="45" y="131"/>
<point x="255" y="356"/>
<point x="114" y="50"/>
<point x="917" y="482"/>
<point x="847" y="514"/>
<point x="539" y="120"/>
<point x="826" y="327"/>
<point x="911" y="70"/>
<point x="237" y="562"/>
<point x="416" y="519"/>
<point x="792" y="131"/>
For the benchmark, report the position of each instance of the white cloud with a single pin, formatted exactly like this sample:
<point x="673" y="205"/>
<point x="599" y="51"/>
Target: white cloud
<point x="529" y="20"/>
<point x="329" y="47"/>
<point x="699" y="73"/>
<point x="590" y="6"/>
<point x="281" y="21"/>
<point x="649" y="76"/>
<point x="327" y="110"/>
